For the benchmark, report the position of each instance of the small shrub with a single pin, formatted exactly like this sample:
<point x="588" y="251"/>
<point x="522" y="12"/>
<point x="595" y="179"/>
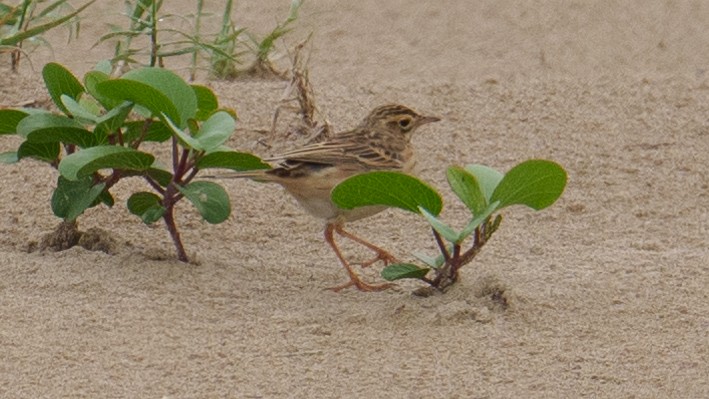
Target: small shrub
<point x="485" y="191"/>
<point x="97" y="140"/>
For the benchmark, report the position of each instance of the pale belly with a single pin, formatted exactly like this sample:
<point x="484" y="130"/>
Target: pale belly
<point x="316" y="201"/>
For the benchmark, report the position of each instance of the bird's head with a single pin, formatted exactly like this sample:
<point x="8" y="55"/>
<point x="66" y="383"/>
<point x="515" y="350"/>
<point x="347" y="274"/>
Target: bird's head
<point x="396" y="119"/>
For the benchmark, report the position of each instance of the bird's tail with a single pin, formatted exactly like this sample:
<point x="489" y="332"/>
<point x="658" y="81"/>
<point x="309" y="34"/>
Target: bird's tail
<point x="257" y="175"/>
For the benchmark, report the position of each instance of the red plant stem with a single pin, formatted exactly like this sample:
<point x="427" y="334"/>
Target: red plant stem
<point x="169" y="218"/>
<point x="168" y="202"/>
<point x="154" y="185"/>
<point x="182" y="165"/>
<point x="441" y="245"/>
<point x="174" y="154"/>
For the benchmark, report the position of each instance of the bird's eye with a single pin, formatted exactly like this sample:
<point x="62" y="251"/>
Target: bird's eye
<point x="405" y="123"/>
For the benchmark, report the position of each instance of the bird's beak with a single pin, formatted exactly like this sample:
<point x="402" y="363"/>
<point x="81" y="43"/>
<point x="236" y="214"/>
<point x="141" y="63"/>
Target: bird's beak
<point x="428" y="119"/>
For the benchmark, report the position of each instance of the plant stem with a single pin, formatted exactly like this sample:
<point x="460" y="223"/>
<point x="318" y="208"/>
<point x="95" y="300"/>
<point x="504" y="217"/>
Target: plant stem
<point x="153" y="34"/>
<point x="169" y="218"/>
<point x="197" y="27"/>
<point x="441" y="246"/>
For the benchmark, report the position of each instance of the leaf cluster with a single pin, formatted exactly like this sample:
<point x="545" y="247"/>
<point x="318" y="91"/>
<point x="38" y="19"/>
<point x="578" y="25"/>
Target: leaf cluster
<point x="536" y="184"/>
<point x="97" y="140"/>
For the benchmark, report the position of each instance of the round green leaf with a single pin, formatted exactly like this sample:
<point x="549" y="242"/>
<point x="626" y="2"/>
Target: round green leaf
<point x="79" y="111"/>
<point x="443" y="229"/>
<point x="466" y="187"/>
<point x="210" y="199"/>
<point x="207" y="102"/>
<point x="8" y="157"/>
<point x="139" y="93"/>
<point x="48" y="128"/>
<point x="239" y="161"/>
<point x="91" y="81"/>
<point x="147" y="206"/>
<point x="157" y="131"/>
<point x="487" y="177"/>
<point x="157" y="89"/>
<point x="88" y="161"/>
<point x="215" y="131"/>
<point x="72" y="197"/>
<point x="535" y="183"/>
<point x="9" y="118"/>
<point x="47" y="152"/>
<point x="403" y="270"/>
<point x="387" y="188"/>
<point x="60" y="81"/>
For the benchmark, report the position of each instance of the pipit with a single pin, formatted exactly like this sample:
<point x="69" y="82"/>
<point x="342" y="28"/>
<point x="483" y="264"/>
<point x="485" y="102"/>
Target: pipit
<point x="382" y="141"/>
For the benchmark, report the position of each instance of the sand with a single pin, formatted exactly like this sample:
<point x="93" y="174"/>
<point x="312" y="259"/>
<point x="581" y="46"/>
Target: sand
<point x="607" y="291"/>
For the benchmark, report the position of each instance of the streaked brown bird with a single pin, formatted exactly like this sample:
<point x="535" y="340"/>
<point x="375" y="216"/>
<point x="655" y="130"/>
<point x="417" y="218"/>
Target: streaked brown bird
<point x="382" y="141"/>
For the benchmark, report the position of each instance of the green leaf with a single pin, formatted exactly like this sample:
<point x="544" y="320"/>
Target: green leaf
<point x="72" y="197"/>
<point x="157" y="131"/>
<point x="161" y="176"/>
<point x="466" y="187"/>
<point x="47" y="128"/>
<point x="9" y="157"/>
<point x="147" y="206"/>
<point x="9" y="118"/>
<point x="210" y="199"/>
<point x="185" y="137"/>
<point x="106" y="198"/>
<point x="110" y="122"/>
<point x="443" y="229"/>
<point x="77" y="111"/>
<point x="103" y="66"/>
<point x="91" y="81"/>
<point x="487" y="177"/>
<point x="435" y="263"/>
<point x="207" y="102"/>
<point x="47" y="152"/>
<point x="88" y="161"/>
<point x="477" y="221"/>
<point x="215" y="131"/>
<point x="535" y="183"/>
<point x="387" y="188"/>
<point x="140" y="93"/>
<point x="157" y="89"/>
<point x="239" y="161"/>
<point x="399" y="271"/>
<point x="60" y="81"/>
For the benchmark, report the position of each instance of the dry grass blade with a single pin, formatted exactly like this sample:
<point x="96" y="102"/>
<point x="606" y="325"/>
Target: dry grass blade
<point x="300" y="92"/>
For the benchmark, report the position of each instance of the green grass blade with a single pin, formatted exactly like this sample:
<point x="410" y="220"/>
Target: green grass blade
<point x="38" y="30"/>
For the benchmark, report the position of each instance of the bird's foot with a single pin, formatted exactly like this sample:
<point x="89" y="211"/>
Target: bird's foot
<point x="381" y="255"/>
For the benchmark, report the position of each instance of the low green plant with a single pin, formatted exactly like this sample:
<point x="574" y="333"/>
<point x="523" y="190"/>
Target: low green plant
<point x="484" y="191"/>
<point x="144" y="16"/>
<point x="30" y="19"/>
<point x="99" y="136"/>
<point x="150" y="33"/>
<point x="263" y="47"/>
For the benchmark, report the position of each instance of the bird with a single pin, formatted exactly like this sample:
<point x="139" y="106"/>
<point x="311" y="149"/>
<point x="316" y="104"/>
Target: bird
<point x="381" y="142"/>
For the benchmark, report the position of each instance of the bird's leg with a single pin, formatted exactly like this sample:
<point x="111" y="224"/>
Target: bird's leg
<point x="381" y="254"/>
<point x="354" y="279"/>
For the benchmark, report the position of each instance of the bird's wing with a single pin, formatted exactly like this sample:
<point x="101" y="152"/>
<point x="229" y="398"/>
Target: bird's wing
<point x="338" y="151"/>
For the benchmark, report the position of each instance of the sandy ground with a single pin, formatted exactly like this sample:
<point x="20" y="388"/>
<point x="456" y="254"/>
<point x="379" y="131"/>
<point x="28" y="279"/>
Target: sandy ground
<point x="608" y="290"/>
